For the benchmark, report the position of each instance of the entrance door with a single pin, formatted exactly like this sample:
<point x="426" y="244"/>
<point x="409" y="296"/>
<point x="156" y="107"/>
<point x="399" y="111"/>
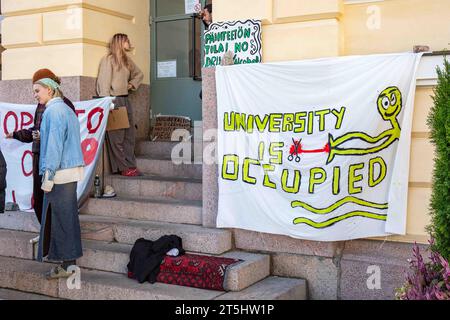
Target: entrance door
<point x="176" y="60"/>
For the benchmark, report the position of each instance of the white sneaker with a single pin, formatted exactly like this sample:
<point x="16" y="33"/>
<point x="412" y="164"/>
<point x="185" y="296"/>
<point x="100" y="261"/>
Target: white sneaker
<point x="109" y="192"/>
<point x="35" y="240"/>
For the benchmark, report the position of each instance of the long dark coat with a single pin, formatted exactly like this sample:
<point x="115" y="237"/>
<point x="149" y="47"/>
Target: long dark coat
<point x="26" y="136"/>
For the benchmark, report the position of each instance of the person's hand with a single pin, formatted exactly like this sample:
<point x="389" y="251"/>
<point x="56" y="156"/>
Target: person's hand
<point x="9" y="136"/>
<point x="36" y="134"/>
<point x="130" y="86"/>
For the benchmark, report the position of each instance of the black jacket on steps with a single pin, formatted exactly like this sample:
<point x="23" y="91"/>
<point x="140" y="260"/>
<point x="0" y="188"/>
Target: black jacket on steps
<point x="146" y="256"/>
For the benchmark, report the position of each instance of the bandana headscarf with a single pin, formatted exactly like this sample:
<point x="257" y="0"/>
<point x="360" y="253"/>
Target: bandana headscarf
<point x="49" y="83"/>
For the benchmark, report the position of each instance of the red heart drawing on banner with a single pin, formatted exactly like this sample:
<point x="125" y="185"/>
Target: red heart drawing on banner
<point x="89" y="147"/>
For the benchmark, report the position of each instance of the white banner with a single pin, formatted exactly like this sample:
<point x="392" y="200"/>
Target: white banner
<point x="316" y="149"/>
<point x="93" y="117"/>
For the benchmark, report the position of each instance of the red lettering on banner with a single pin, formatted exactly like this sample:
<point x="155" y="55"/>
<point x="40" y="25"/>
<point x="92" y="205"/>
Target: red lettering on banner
<point x="22" y="119"/>
<point x="26" y="174"/>
<point x="5" y="121"/>
<point x="90" y="116"/>
<point x="89" y="147"/>
<point x="78" y="112"/>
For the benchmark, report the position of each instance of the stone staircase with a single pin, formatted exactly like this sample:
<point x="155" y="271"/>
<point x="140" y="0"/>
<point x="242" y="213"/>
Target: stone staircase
<point x="166" y="200"/>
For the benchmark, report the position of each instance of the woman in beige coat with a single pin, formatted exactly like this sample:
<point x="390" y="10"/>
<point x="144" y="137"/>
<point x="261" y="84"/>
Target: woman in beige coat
<point x="117" y="76"/>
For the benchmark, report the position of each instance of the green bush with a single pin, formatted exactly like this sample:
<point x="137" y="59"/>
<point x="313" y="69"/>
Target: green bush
<point x="439" y="123"/>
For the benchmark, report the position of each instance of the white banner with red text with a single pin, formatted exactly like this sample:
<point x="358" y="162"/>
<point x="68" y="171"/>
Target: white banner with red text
<point x="93" y="117"/>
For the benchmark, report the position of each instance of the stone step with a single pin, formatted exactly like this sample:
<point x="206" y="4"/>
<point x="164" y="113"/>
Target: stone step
<point x="170" y="210"/>
<point x="7" y="294"/>
<point x="28" y="276"/>
<point x="114" y="257"/>
<point x="168" y="168"/>
<point x="161" y="149"/>
<point x="156" y="187"/>
<point x="19" y="220"/>
<point x="195" y="238"/>
<point x="271" y="288"/>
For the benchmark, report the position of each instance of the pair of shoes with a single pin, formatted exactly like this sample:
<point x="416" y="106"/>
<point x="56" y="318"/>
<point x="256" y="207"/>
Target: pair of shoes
<point x="57" y="272"/>
<point x="131" y="172"/>
<point x="34" y="240"/>
<point x="109" y="192"/>
<point x="138" y="173"/>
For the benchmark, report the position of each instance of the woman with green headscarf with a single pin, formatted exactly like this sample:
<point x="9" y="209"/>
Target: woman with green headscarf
<point x="61" y="164"/>
<point x="32" y="135"/>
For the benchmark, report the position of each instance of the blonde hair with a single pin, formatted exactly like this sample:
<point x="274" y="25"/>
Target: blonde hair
<point x="118" y="52"/>
<point x="57" y="93"/>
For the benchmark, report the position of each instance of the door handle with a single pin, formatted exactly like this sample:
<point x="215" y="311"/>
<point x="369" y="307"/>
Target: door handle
<point x="194" y="75"/>
<point x="193" y="17"/>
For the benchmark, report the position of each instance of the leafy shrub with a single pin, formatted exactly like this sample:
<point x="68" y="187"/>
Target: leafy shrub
<point x="426" y="280"/>
<point x="439" y="123"/>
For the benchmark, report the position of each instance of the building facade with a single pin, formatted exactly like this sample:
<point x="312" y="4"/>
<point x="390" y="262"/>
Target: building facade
<point x="71" y="36"/>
